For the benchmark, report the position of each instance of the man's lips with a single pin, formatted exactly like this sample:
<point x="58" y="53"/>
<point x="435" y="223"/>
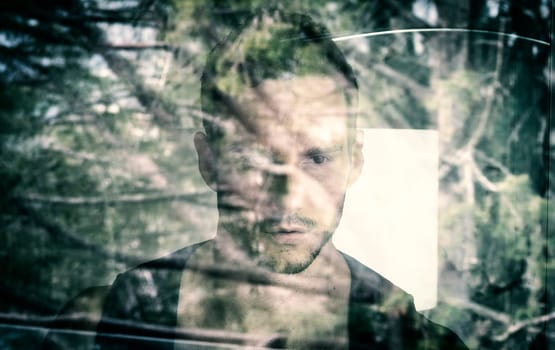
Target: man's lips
<point x="282" y="226"/>
<point x="289" y="224"/>
<point x="287" y="234"/>
<point x="286" y="230"/>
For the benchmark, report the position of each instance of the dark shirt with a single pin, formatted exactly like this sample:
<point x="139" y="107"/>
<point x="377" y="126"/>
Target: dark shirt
<point x="140" y="311"/>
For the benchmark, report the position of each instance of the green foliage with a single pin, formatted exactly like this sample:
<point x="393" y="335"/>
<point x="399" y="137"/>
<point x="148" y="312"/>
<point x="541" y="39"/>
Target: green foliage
<point x="509" y="232"/>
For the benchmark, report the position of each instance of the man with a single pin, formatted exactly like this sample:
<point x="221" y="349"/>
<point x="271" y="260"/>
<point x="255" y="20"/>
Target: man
<point x="280" y="149"/>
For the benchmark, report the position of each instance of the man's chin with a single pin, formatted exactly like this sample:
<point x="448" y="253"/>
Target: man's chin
<point x="293" y="268"/>
<point x="289" y="262"/>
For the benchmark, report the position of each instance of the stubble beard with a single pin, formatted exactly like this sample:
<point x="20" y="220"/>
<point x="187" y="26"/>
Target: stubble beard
<point x="287" y="266"/>
<point x="258" y="246"/>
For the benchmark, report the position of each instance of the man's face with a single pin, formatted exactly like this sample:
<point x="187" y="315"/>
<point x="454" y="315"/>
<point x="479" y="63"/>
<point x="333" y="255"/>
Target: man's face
<point x="282" y="169"/>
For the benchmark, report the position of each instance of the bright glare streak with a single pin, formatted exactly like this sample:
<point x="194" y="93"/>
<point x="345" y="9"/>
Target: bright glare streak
<point x="428" y="30"/>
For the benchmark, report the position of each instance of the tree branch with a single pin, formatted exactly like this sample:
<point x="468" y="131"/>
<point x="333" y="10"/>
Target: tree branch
<point x="414" y="87"/>
<point x="59" y="233"/>
<point x="486" y="112"/>
<point x="139" y="198"/>
<point x="493" y="162"/>
<point x="148" y="98"/>
<point x="512" y="327"/>
<point x="140" y="46"/>
<point x="523" y="324"/>
<point x="482" y="179"/>
<point x="480" y="310"/>
<point x="77" y="322"/>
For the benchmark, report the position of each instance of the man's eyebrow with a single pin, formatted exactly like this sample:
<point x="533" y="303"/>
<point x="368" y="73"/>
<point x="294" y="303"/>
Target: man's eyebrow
<point x="325" y="150"/>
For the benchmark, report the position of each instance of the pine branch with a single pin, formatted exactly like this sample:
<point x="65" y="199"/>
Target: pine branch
<point x="149" y="99"/>
<point x="140" y="46"/>
<point x="140" y="198"/>
<point x="57" y="232"/>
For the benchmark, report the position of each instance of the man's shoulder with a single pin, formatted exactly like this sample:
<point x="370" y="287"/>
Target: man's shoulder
<point x="367" y="285"/>
<point x="143" y="291"/>
<point x="161" y="268"/>
<point x="172" y="261"/>
<point x="383" y="314"/>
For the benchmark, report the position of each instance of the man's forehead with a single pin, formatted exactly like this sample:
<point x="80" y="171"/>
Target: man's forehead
<point x="297" y="100"/>
<point x="320" y="85"/>
<point x="297" y="88"/>
<point x="303" y="110"/>
<point x="297" y="134"/>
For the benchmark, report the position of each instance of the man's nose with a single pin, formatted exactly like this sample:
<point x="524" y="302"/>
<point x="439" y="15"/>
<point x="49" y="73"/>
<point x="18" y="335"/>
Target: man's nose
<point x="286" y="188"/>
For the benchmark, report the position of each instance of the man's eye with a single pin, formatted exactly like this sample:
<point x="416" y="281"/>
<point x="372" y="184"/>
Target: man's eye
<point x="319" y="159"/>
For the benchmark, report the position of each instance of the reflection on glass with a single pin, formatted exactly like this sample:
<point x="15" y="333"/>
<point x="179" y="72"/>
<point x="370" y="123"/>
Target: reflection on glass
<point x="104" y="132"/>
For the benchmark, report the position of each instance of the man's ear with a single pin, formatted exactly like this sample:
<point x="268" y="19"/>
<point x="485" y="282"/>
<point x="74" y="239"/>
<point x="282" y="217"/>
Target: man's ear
<point x="357" y="158"/>
<point x="206" y="160"/>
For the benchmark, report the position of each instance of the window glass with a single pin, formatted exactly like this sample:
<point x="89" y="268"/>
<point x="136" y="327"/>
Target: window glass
<point x="254" y="138"/>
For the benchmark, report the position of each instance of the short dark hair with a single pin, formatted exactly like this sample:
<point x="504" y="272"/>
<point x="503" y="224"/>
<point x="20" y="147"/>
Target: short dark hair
<point x="270" y="45"/>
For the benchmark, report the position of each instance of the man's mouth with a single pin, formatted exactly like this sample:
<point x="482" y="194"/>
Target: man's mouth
<point x="286" y="225"/>
<point x="282" y="228"/>
<point x="287" y="230"/>
<point x="285" y="233"/>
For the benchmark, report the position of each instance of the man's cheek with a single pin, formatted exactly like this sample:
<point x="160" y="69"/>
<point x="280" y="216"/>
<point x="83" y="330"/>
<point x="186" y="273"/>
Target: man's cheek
<point x="247" y="183"/>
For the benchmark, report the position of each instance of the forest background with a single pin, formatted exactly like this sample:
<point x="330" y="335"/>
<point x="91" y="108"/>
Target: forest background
<point x="99" y="100"/>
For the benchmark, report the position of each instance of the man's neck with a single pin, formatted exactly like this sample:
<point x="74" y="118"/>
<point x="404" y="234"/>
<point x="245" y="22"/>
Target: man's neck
<point x="255" y="301"/>
<point x="329" y="264"/>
